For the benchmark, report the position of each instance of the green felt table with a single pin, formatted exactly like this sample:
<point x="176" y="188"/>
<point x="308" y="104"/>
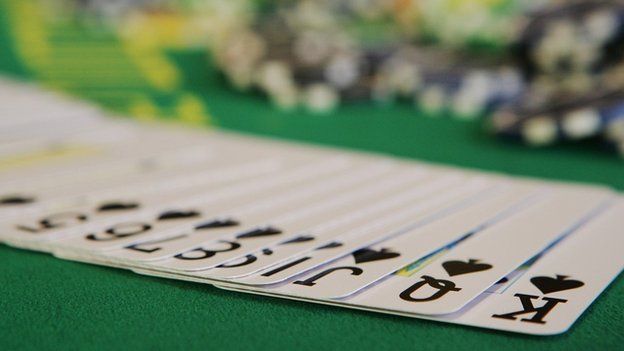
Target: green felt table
<point x="48" y="303"/>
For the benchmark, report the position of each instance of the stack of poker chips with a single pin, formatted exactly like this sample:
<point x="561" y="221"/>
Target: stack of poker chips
<point x="573" y="58"/>
<point x="318" y="54"/>
<point x="557" y="77"/>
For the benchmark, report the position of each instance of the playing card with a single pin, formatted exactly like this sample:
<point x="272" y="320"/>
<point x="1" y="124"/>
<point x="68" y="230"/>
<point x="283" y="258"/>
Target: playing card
<point x="121" y="201"/>
<point x="418" y="214"/>
<point x="327" y="235"/>
<point x="550" y="296"/>
<point x="169" y="211"/>
<point x="372" y="232"/>
<point x="388" y="187"/>
<point x="171" y="178"/>
<point x="458" y="276"/>
<point x="173" y="169"/>
<point x="546" y="299"/>
<point x="251" y="216"/>
<point x="92" y="165"/>
<point x="302" y="222"/>
<point x="157" y="223"/>
<point x="365" y="266"/>
<point x="181" y="261"/>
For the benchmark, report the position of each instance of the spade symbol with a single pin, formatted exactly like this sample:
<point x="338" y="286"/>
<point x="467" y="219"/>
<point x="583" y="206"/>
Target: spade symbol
<point x="175" y="214"/>
<point x="16" y="200"/>
<point x="369" y="255"/>
<point x="548" y="285"/>
<point x="331" y="245"/>
<point x="254" y="233"/>
<point x="299" y="239"/>
<point x="454" y="268"/>
<point x="219" y="223"/>
<point x="118" y="206"/>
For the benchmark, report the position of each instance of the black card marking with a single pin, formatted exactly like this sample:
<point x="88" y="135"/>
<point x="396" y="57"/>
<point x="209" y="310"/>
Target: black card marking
<point x="549" y="285"/>
<point x="441" y="286"/>
<point x="219" y="223"/>
<point x="312" y="280"/>
<point x="248" y="259"/>
<point x="118" y="206"/>
<point x="369" y="255"/>
<point x="286" y="266"/>
<point x="331" y="245"/>
<point x="299" y="239"/>
<point x="176" y="214"/>
<point x="454" y="268"/>
<point x="207" y="253"/>
<point x="16" y="200"/>
<point x="259" y="232"/>
<point x="538" y="314"/>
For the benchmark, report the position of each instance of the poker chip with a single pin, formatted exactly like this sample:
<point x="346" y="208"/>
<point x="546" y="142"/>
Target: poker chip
<point x="581" y="123"/>
<point x="540" y="130"/>
<point x="320" y="98"/>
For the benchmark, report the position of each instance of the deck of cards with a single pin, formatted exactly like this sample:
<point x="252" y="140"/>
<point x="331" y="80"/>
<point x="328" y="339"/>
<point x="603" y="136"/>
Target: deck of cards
<point x="303" y="222"/>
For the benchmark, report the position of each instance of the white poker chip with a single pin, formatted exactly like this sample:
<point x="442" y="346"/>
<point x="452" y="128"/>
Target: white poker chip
<point x="581" y="123"/>
<point x="320" y="98"/>
<point x="539" y="131"/>
<point x="432" y="99"/>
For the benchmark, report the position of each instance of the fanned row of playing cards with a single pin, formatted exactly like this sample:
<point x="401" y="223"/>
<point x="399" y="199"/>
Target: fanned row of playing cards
<point x="303" y="222"/>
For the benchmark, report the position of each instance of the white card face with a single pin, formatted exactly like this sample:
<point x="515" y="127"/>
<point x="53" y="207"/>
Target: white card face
<point x="461" y="274"/>
<point x="417" y="214"/>
<point x="111" y="158"/>
<point x="246" y="217"/>
<point x="133" y="191"/>
<point x="365" y="266"/>
<point x="88" y="191"/>
<point x="125" y="163"/>
<point x="120" y="202"/>
<point x="160" y="227"/>
<point x="113" y="139"/>
<point x="146" y="251"/>
<point x="17" y="165"/>
<point x="145" y="149"/>
<point x="167" y="214"/>
<point x="98" y="174"/>
<point x="393" y="184"/>
<point x="270" y="228"/>
<point x="329" y="232"/>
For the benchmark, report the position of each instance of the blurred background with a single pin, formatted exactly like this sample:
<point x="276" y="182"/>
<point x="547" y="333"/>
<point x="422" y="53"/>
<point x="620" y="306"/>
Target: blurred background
<point x="473" y="82"/>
